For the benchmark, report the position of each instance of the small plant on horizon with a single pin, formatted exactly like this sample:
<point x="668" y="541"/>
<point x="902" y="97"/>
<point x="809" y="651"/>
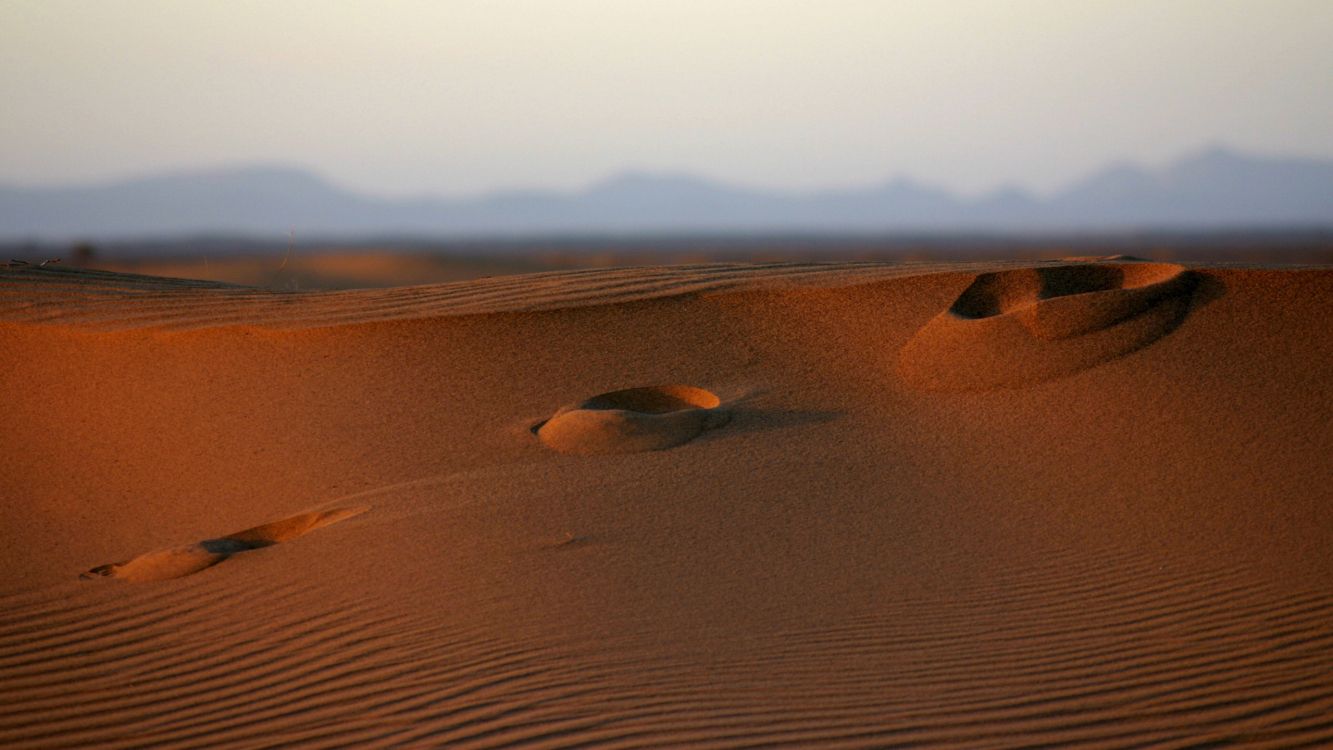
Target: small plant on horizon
<point x="291" y="284"/>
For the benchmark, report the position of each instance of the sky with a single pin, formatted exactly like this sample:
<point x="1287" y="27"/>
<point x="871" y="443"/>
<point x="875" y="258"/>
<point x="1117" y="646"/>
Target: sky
<point x="457" y="97"/>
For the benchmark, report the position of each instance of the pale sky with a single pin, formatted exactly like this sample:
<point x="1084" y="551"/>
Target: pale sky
<point x="458" y="97"/>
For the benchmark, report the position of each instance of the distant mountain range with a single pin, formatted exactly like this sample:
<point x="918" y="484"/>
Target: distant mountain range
<point x="1211" y="189"/>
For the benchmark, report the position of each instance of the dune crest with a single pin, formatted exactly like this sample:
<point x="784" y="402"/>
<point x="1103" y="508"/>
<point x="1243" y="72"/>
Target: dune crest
<point x="633" y="420"/>
<point x="178" y="562"/>
<point x="105" y="301"/>
<point x="1023" y="326"/>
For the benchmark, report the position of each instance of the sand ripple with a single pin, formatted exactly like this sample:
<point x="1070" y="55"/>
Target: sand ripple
<point x="1142" y="655"/>
<point x="112" y="301"/>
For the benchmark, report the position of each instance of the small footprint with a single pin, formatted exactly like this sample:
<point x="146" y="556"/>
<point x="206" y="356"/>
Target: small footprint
<point x="179" y="562"/>
<point x="633" y="420"/>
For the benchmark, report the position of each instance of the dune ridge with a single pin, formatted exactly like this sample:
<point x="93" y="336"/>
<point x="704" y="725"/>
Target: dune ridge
<point x="1131" y="552"/>
<point x="102" y="300"/>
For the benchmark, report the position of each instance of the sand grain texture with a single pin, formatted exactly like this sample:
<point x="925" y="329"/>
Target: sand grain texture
<point x="1072" y="503"/>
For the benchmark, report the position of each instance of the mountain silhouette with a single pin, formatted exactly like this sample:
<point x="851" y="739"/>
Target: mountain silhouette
<point x="1212" y="189"/>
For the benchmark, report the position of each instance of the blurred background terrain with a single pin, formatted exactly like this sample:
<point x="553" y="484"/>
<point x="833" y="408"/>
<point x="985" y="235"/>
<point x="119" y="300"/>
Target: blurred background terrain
<point x="303" y="145"/>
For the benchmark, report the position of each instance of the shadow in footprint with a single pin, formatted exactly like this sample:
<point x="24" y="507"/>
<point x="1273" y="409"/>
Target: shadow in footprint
<point x="178" y="562"/>
<point x="1024" y="326"/>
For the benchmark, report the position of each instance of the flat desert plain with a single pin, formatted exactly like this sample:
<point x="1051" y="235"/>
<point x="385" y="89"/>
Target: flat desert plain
<point x="1078" y="503"/>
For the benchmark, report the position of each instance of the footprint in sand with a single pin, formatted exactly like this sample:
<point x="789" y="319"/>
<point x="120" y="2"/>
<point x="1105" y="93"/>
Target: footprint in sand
<point x="633" y="420"/>
<point x="1024" y="326"/>
<point x="182" y="561"/>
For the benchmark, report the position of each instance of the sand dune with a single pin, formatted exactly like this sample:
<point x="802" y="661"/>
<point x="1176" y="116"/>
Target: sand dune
<point x="1066" y="503"/>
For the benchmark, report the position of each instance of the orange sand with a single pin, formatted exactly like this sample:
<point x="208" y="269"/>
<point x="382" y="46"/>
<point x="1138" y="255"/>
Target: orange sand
<point x="981" y="505"/>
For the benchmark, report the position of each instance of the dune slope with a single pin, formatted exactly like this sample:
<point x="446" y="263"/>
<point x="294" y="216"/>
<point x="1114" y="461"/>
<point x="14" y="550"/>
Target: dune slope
<point x="976" y="505"/>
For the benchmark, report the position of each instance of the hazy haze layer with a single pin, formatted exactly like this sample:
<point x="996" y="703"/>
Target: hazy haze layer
<point x="462" y="97"/>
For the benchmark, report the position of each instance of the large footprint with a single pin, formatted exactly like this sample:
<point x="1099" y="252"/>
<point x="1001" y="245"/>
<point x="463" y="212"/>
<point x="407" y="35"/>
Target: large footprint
<point x="183" y="561"/>
<point x="1019" y="327"/>
<point x="632" y="420"/>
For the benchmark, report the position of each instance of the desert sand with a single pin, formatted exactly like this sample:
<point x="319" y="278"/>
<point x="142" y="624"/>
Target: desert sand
<point x="995" y="504"/>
